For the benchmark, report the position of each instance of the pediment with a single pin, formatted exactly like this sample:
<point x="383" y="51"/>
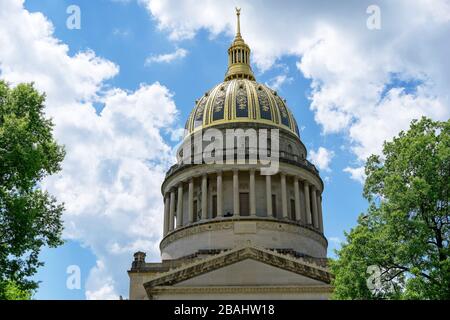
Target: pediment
<point x="246" y="266"/>
<point x="249" y="272"/>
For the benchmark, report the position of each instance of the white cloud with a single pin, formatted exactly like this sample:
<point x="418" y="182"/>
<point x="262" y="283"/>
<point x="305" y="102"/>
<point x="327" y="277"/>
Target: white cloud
<point x="101" y="286"/>
<point x="321" y="158"/>
<point x="356" y="174"/>
<point x="123" y="33"/>
<point x="278" y="81"/>
<point x="358" y="76"/>
<point x="116" y="159"/>
<point x="180" y="53"/>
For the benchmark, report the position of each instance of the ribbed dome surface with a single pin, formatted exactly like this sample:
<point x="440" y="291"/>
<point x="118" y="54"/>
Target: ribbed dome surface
<point x="241" y="100"/>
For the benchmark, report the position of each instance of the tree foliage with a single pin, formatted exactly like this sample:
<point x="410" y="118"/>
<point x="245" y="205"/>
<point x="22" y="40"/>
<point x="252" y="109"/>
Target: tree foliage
<point x="30" y="218"/>
<point x="405" y="232"/>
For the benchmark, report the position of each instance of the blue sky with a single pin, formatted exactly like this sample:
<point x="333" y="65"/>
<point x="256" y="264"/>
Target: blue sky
<point x="188" y="79"/>
<point x="322" y="58"/>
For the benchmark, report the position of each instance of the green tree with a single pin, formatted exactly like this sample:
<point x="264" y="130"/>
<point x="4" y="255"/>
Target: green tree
<point x="405" y="232"/>
<point x="30" y="218"/>
<point x="13" y="292"/>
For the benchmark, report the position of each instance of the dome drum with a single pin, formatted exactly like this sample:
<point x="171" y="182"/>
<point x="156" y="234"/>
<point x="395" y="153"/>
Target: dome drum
<point x="209" y="193"/>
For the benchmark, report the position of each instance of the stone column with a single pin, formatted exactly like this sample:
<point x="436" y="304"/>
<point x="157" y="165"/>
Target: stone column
<point x="172" y="210"/>
<point x="180" y="206"/>
<point x="252" y="193"/>
<point x="303" y="218"/>
<point x="284" y="196"/>
<point x="319" y="205"/>
<point x="307" y="202"/>
<point x="236" y="193"/>
<point x="204" y="197"/>
<point x="314" y="207"/>
<point x="191" y="201"/>
<point x="166" y="214"/>
<point x="269" y="195"/>
<point x="297" y="199"/>
<point x="219" y="195"/>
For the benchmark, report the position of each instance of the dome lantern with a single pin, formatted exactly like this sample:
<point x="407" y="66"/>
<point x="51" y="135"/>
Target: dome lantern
<point x="239" y="56"/>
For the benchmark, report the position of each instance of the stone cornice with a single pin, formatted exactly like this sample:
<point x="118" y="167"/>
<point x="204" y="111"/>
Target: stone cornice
<point x="242" y="289"/>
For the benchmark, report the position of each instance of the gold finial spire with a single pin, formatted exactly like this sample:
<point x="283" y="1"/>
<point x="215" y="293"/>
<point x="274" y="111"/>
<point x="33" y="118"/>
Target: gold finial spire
<point x="238" y="14"/>
<point x="239" y="56"/>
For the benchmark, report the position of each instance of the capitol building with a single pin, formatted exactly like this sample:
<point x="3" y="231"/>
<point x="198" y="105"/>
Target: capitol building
<point x="241" y="229"/>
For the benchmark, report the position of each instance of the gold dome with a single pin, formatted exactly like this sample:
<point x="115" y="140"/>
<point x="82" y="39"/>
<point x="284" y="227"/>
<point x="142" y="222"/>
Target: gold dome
<point x="240" y="98"/>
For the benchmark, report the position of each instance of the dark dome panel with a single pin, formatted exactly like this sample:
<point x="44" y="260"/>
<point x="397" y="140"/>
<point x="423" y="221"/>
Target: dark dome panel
<point x="283" y="112"/>
<point x="218" y="108"/>
<point x="241" y="101"/>
<point x="264" y="105"/>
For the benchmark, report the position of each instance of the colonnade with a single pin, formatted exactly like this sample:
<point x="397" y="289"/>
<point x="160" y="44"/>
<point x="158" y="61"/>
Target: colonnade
<point x="310" y="214"/>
